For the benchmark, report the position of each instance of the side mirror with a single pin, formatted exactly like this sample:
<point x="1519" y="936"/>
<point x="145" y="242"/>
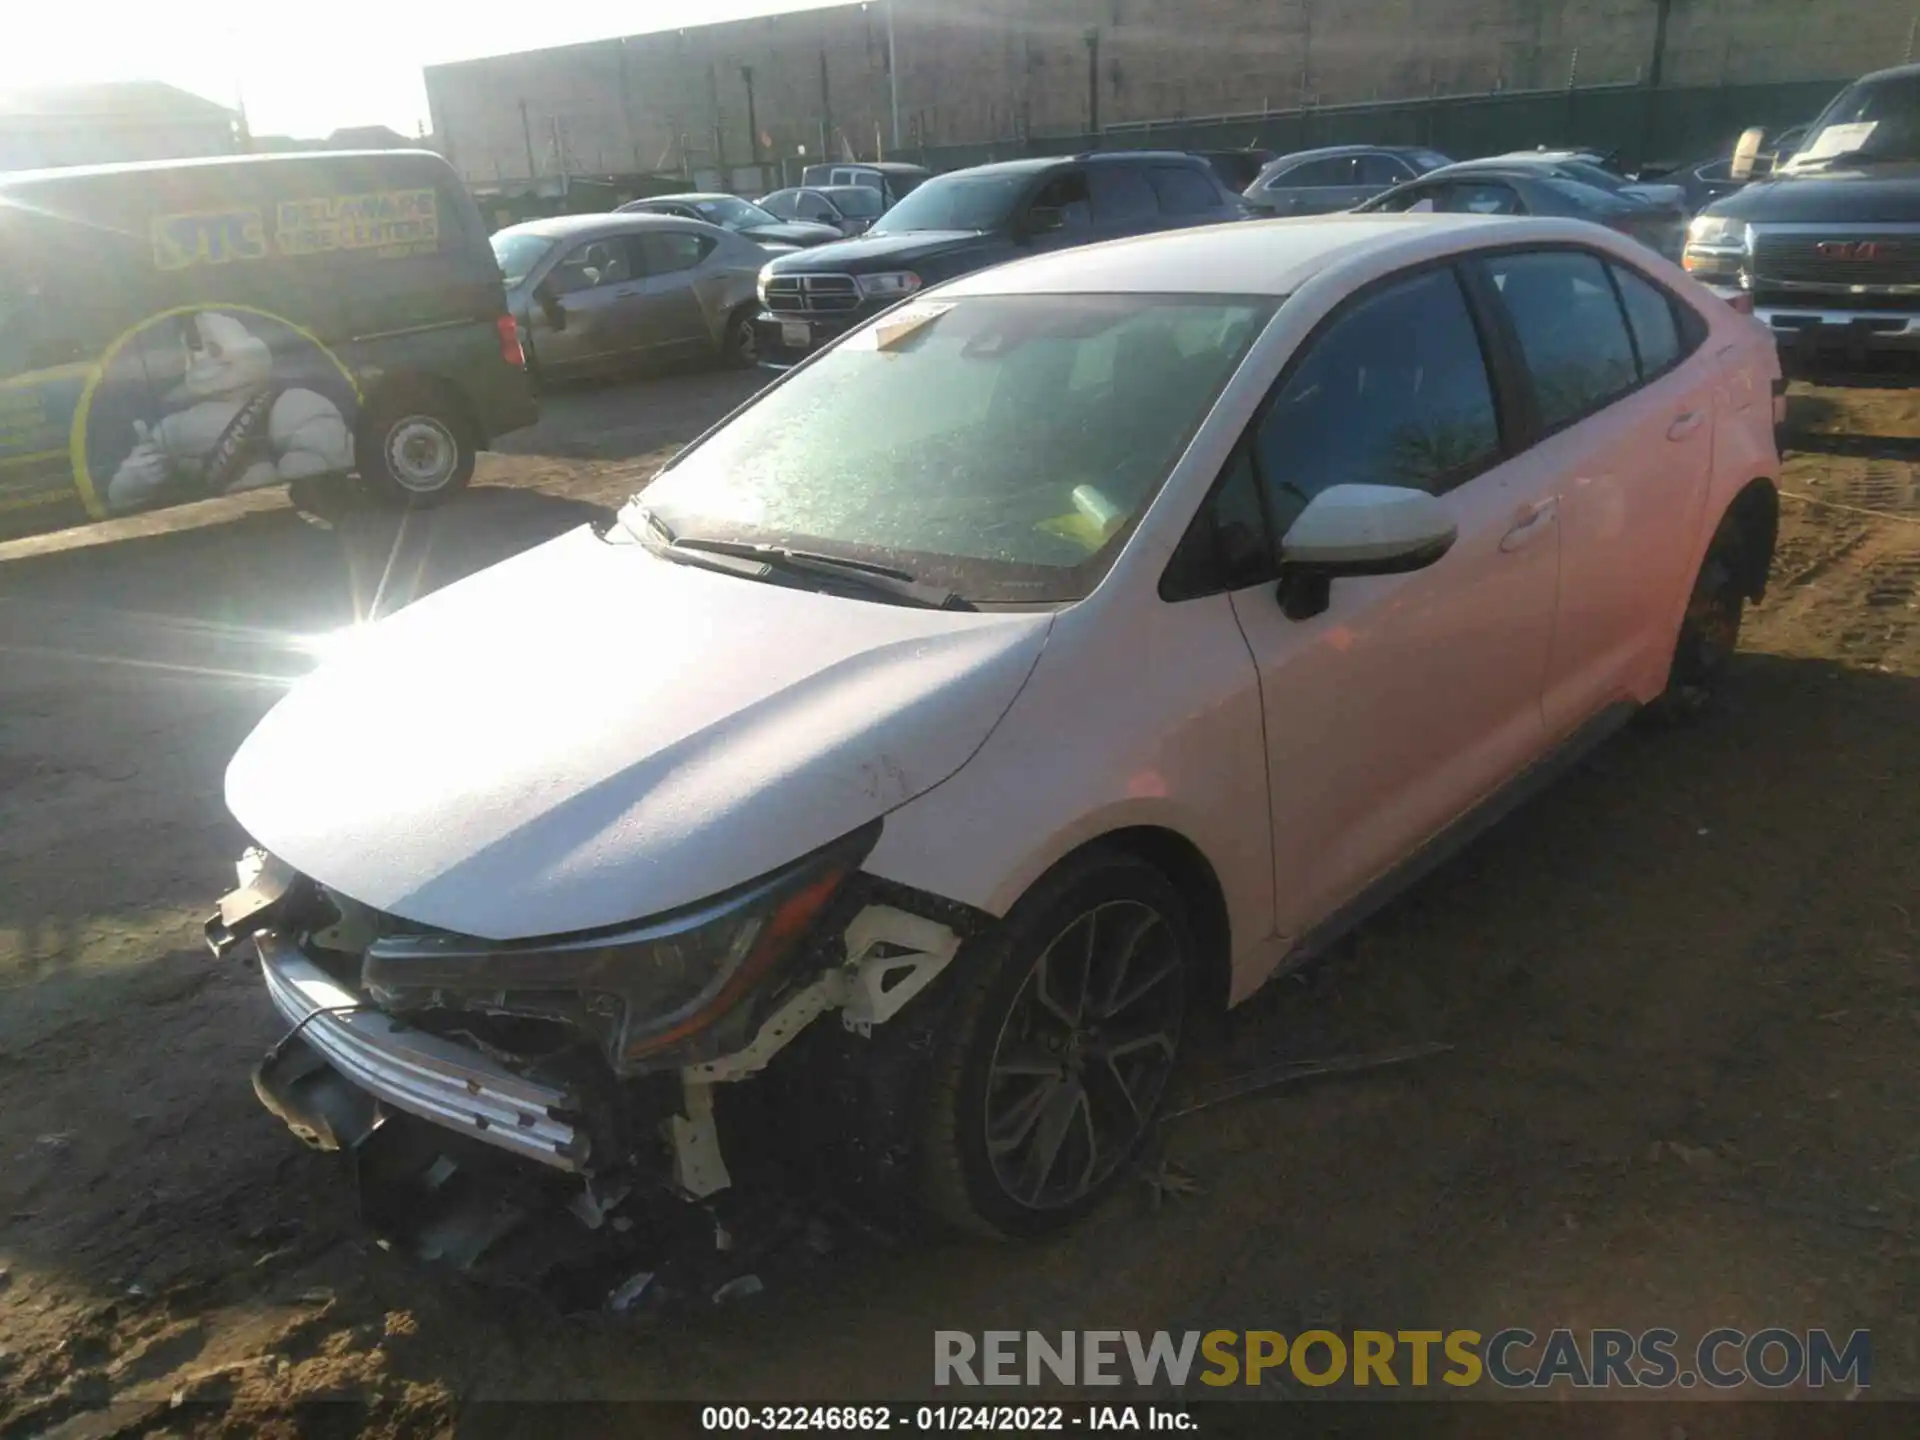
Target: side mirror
<point x="1746" y="152"/>
<point x="1349" y="530"/>
<point x="550" y="305"/>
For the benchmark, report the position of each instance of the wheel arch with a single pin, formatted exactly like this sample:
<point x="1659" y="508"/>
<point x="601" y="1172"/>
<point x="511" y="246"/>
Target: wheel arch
<point x="1187" y="868"/>
<point x="1755" y="517"/>
<point x="393" y="385"/>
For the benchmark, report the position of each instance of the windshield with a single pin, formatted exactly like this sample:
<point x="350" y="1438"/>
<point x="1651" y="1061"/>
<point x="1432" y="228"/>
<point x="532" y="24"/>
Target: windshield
<point x="1877" y="121"/>
<point x="731" y="214"/>
<point x="857" y="201"/>
<point x="1587" y="173"/>
<point x="955" y="202"/>
<point x="999" y="446"/>
<point x="518" y="252"/>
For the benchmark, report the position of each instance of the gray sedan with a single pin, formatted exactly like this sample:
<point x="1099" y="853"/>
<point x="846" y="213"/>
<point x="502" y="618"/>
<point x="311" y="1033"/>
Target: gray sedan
<point x="1490" y="187"/>
<point x="592" y="292"/>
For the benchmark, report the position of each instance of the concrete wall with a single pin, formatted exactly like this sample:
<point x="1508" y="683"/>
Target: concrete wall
<point x="979" y="70"/>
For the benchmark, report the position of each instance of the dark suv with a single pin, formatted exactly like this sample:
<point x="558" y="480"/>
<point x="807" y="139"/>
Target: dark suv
<point x="958" y="223"/>
<point x="1826" y="248"/>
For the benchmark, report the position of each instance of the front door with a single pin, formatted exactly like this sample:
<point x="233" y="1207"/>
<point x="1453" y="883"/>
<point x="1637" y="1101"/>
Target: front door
<point x="1629" y="420"/>
<point x="1413" y="696"/>
<point x="601" y="300"/>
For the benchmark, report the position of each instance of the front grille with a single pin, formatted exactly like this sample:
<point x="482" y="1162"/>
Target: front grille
<point x="1835" y="260"/>
<point x="816" y="294"/>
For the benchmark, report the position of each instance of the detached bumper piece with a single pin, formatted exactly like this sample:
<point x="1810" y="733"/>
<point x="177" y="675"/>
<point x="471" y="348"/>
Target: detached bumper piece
<point x="409" y="1070"/>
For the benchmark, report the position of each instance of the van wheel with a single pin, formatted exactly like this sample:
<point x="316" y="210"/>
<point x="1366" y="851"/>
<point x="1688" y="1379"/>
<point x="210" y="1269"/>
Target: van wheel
<point x="415" y="449"/>
<point x="1067" y="1026"/>
<point x="742" y="345"/>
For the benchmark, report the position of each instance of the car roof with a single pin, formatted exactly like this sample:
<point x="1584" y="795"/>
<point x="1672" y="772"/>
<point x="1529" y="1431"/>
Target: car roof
<point x="1254" y="257"/>
<point x="1895" y="72"/>
<point x="561" y="227"/>
<point x="831" y="190"/>
<point x="1035" y="164"/>
<point x="684" y="197"/>
<point x="885" y="167"/>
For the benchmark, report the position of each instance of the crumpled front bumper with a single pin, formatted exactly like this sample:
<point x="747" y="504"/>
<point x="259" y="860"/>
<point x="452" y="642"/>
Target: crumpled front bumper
<point x="424" y="1075"/>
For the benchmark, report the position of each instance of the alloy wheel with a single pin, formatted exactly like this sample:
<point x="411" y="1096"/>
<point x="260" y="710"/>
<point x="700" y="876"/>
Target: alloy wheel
<point x="1083" y="1054"/>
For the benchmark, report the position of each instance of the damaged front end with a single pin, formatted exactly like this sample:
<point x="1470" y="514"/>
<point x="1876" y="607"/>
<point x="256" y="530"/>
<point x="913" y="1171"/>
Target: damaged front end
<point x="551" y="1099"/>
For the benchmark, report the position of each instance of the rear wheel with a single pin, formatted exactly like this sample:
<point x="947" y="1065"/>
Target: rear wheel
<point x="1068" y="1025"/>
<point x="415" y="448"/>
<point x="1709" y="629"/>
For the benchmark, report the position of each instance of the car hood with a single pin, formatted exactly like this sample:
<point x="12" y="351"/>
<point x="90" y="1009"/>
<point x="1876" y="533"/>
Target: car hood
<point x="793" y="232"/>
<point x="869" y="253"/>
<point x="1885" y="195"/>
<point x="588" y="734"/>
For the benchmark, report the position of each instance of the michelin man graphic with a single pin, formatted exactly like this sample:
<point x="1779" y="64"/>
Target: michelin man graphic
<point x="228" y="425"/>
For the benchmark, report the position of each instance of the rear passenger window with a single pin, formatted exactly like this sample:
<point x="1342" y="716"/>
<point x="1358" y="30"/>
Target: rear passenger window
<point x="1183" y="192"/>
<point x="1483" y="197"/>
<point x="1395" y="392"/>
<point x="1572" y="334"/>
<point x="667" y="252"/>
<point x="1120" y="194"/>
<point x="1316" y="172"/>
<point x="1382" y="170"/>
<point x="1650" y="314"/>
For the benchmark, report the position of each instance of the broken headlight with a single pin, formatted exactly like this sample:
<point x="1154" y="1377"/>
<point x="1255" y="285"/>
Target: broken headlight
<point x="637" y="989"/>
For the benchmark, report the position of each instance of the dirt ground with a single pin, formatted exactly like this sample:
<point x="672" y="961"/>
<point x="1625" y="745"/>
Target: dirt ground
<point x="1680" y="989"/>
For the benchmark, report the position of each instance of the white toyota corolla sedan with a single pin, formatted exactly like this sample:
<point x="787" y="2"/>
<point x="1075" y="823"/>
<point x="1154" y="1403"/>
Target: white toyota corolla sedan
<point x="1075" y="646"/>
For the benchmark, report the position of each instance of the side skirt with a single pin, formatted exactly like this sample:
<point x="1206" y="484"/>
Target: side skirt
<point x="1461" y="833"/>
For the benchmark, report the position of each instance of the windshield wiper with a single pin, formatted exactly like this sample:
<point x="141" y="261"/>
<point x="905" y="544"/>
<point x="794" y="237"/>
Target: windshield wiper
<point x="895" y="584"/>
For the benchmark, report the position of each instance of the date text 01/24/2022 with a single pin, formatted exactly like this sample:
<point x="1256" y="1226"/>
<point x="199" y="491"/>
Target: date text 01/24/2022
<point x="961" y="1419"/>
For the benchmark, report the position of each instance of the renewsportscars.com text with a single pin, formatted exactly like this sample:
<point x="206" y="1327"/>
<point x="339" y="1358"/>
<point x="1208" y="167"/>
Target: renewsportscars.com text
<point x="1774" y="1358"/>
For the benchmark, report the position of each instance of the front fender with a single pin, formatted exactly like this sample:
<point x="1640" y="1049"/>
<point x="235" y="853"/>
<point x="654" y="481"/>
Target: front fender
<point x="1148" y="719"/>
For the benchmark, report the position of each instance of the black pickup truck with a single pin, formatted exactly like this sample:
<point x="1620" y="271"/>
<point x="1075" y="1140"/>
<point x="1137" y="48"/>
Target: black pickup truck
<point x="957" y="223"/>
<point x="1826" y="250"/>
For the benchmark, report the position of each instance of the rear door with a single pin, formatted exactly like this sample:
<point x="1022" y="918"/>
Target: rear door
<point x="1623" y="407"/>
<point x="1123" y="202"/>
<point x="1190" y="196"/>
<point x="669" y="264"/>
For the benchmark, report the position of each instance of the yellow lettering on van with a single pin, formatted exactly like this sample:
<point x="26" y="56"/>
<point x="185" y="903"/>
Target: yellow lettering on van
<point x="207" y="238"/>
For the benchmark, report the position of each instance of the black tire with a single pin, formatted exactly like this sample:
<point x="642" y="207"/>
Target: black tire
<point x="998" y="1063"/>
<point x="741" y="346"/>
<point x="415" y="448"/>
<point x="1710" y="628"/>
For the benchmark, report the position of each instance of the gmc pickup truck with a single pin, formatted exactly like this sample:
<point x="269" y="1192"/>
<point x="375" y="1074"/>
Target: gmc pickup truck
<point x="1826" y="249"/>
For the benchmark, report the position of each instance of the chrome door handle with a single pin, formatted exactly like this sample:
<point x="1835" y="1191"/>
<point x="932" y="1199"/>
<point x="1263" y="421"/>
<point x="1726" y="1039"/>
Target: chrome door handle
<point x="1530" y="524"/>
<point x="1684" y="425"/>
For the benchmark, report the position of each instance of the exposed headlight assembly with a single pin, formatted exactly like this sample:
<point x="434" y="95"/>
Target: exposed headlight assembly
<point x="1716" y="248"/>
<point x="1717" y="230"/>
<point x="890" y="285"/>
<point x="640" y="990"/>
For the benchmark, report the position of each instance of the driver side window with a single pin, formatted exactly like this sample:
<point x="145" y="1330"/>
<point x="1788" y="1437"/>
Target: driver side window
<point x="591" y="265"/>
<point x="1067" y="195"/>
<point x="1394" y="391"/>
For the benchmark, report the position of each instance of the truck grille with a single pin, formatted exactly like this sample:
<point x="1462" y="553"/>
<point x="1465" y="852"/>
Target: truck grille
<point x="816" y="294"/>
<point x="1843" y="259"/>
